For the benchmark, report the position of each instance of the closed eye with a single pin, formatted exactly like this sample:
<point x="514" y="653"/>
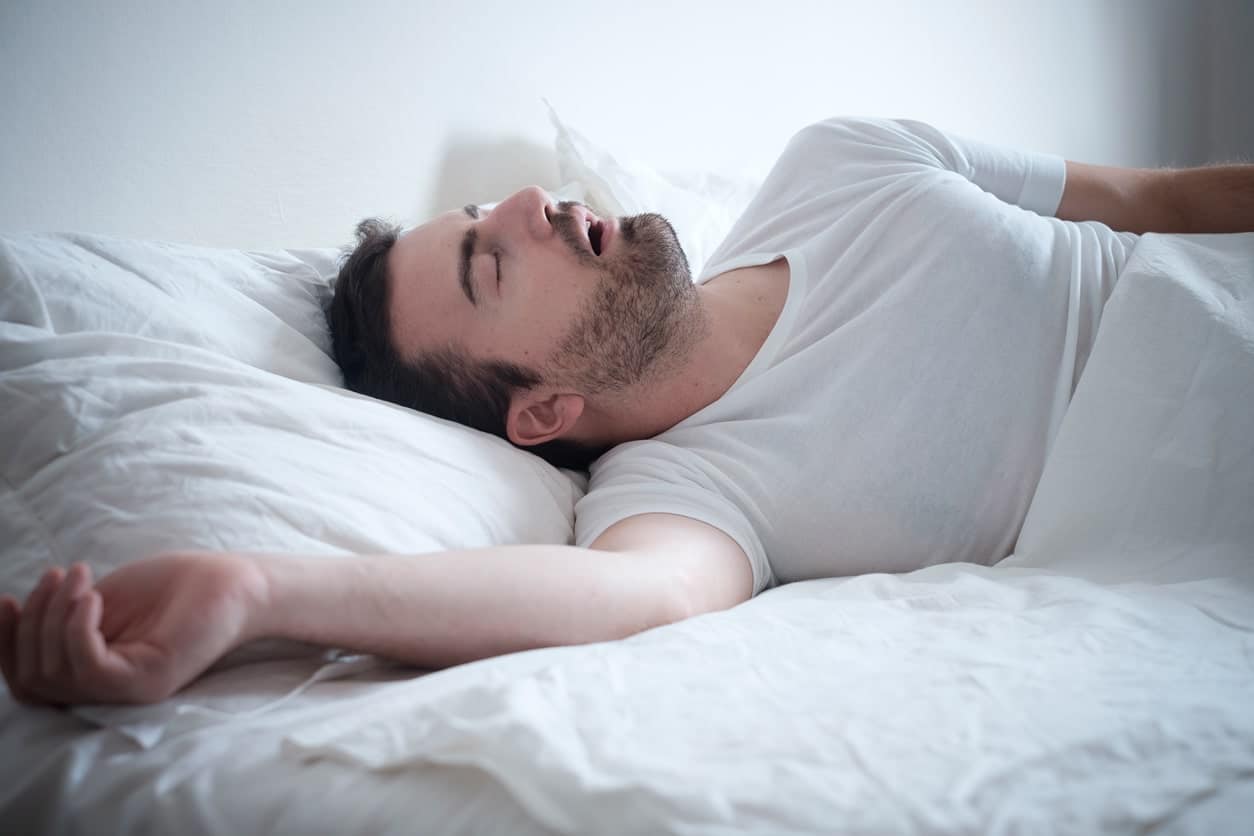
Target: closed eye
<point x="497" y="256"/>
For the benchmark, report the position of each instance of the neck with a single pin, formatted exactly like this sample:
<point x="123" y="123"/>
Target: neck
<point x="737" y="311"/>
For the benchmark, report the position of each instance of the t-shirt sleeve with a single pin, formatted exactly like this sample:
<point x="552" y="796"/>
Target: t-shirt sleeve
<point x="652" y="477"/>
<point x="1028" y="179"/>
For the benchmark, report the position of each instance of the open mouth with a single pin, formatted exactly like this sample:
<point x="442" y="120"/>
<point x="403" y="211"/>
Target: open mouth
<point x="594" y="235"/>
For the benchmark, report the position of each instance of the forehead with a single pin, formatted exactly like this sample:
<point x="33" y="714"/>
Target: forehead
<point x="423" y="295"/>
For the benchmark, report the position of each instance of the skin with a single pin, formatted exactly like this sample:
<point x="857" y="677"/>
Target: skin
<point x="581" y="318"/>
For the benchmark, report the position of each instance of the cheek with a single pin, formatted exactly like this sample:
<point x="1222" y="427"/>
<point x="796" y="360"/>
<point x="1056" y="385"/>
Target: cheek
<point x="547" y="301"/>
<point x="522" y="336"/>
<point x="549" y="323"/>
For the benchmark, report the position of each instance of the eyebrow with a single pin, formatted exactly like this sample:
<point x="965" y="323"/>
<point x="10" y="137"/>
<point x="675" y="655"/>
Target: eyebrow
<point x="467" y="248"/>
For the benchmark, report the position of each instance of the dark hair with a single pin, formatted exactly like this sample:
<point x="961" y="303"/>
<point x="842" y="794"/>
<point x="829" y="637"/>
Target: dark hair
<point x="445" y="383"/>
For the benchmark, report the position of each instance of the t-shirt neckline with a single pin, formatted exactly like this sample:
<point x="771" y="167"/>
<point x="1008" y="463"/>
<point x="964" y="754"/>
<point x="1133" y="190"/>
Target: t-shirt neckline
<point x="783" y="323"/>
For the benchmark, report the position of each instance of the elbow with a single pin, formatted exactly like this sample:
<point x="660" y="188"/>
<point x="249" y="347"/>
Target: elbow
<point x="691" y="594"/>
<point x="667" y="591"/>
<point x="630" y="605"/>
<point x="680" y="603"/>
<point x="671" y="602"/>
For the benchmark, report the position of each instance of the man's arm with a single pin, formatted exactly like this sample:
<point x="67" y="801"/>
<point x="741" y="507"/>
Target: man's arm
<point x="451" y="607"/>
<point x="1211" y="199"/>
<point x="152" y="626"/>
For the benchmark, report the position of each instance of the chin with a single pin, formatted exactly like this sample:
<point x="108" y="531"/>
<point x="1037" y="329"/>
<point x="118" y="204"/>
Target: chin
<point x="652" y="251"/>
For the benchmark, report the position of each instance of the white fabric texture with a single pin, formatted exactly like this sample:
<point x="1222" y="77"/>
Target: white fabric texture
<point x="957" y="699"/>
<point x="163" y="397"/>
<point x="1098" y="681"/>
<point x="1154" y="462"/>
<point x="900" y="411"/>
<point x="954" y="700"/>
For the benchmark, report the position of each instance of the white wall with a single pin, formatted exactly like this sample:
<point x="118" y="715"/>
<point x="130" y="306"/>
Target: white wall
<point x="263" y="125"/>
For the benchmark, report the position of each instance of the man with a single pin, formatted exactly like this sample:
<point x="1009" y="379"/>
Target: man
<point x="868" y="378"/>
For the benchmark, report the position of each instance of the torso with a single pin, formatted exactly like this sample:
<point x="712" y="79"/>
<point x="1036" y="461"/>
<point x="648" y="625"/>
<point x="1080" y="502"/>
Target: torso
<point x="895" y="405"/>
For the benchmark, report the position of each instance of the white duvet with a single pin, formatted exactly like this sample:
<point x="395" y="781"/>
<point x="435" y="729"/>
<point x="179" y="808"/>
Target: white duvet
<point x="1100" y="680"/>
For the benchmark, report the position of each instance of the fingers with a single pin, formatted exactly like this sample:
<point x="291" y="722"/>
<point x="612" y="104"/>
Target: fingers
<point x="29" y="644"/>
<point x="87" y="650"/>
<point x="35" y="637"/>
<point x="10" y="612"/>
<point x="53" y="654"/>
<point x="52" y="649"/>
<point x="96" y="672"/>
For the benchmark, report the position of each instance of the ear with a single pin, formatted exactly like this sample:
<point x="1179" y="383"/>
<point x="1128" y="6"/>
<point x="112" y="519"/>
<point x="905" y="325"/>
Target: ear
<point x="536" y="417"/>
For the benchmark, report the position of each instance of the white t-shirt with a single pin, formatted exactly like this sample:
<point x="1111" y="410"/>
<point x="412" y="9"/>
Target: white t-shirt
<point x="899" y="413"/>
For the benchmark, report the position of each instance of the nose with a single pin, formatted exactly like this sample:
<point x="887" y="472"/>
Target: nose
<point x="524" y="213"/>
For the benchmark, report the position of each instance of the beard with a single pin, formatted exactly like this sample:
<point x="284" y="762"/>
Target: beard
<point x="645" y="315"/>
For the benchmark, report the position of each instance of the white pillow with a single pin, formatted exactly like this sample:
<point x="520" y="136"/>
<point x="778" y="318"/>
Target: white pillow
<point x="702" y="206"/>
<point x="159" y="396"/>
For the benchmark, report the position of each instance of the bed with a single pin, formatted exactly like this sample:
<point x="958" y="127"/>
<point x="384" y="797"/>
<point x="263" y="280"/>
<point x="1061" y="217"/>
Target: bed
<point x="158" y="396"/>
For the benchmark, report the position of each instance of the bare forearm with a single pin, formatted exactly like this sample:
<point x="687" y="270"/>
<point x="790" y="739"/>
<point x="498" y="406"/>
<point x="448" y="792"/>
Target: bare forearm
<point x="1212" y="199"/>
<point x="445" y="608"/>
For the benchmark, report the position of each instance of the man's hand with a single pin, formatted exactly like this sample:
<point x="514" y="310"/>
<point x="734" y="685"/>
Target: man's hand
<point x="143" y="632"/>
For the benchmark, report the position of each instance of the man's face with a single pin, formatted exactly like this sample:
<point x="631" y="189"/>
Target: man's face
<point x="593" y="303"/>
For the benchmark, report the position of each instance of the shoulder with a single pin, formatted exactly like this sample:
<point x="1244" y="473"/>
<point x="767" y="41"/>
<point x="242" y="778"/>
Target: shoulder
<point x="864" y="132"/>
<point x="853" y="149"/>
<point x="658" y="458"/>
<point x="825" y="168"/>
<point x="675" y="487"/>
<point x="653" y="475"/>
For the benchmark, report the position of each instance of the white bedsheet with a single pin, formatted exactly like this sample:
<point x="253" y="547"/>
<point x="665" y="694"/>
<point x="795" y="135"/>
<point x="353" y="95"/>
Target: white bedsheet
<point x="944" y="702"/>
<point x="954" y="700"/>
<point x="1101" y="680"/>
